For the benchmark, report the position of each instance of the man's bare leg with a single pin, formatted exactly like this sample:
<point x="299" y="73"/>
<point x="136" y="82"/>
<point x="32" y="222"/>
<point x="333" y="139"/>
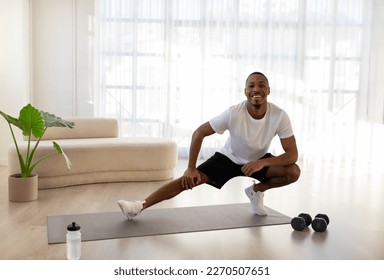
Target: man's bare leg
<point x="279" y="176"/>
<point x="167" y="191"/>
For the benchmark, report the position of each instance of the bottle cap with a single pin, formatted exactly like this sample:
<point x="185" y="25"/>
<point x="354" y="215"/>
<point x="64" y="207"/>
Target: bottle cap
<point x="73" y="227"/>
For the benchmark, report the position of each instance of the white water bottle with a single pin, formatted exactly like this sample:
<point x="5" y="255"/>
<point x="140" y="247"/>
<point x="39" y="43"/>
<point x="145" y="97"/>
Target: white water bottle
<point x="73" y="241"/>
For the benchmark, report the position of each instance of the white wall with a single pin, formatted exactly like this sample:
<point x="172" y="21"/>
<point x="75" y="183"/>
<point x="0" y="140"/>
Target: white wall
<point x="14" y="65"/>
<point x="85" y="52"/>
<point x="376" y="81"/>
<point x="370" y="101"/>
<point x="52" y="56"/>
<point x="62" y="43"/>
<point x="46" y="58"/>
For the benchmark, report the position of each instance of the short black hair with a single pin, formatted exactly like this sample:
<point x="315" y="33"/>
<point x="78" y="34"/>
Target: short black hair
<point x="257" y="73"/>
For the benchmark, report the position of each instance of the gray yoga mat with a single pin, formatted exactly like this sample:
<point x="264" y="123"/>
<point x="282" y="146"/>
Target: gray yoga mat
<point x="111" y="225"/>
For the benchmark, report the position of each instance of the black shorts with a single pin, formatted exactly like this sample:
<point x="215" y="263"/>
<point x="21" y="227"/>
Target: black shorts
<point x="220" y="169"/>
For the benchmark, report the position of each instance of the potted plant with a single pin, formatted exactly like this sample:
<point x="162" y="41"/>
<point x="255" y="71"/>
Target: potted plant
<point x="33" y="124"/>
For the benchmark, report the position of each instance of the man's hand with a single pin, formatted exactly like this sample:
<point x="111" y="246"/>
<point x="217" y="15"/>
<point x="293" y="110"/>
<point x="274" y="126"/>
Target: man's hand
<point x="190" y="179"/>
<point x="252" y="167"/>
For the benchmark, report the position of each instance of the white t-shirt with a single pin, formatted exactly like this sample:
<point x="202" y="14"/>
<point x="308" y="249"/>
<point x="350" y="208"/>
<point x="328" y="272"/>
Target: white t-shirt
<point x="249" y="139"/>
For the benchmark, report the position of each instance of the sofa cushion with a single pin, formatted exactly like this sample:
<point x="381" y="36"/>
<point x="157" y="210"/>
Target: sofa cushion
<point x="84" y="128"/>
<point x="99" y="160"/>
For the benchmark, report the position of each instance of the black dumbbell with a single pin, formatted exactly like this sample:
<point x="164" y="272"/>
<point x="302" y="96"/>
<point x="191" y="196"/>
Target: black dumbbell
<point x="301" y="222"/>
<point x="320" y="222"/>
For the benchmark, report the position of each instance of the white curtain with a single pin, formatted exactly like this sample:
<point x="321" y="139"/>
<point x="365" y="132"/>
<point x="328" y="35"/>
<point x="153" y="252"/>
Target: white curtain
<point x="167" y="66"/>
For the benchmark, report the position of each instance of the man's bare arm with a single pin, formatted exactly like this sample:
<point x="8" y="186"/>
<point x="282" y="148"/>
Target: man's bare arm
<point x="191" y="176"/>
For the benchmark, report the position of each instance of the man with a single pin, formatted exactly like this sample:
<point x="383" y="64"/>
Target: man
<point x="252" y="124"/>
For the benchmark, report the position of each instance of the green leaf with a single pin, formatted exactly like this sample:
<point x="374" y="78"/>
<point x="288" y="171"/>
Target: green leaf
<point x="11" y="120"/>
<point x="31" y="121"/>
<point x="60" y="150"/>
<point x="51" y="120"/>
<point x="57" y="147"/>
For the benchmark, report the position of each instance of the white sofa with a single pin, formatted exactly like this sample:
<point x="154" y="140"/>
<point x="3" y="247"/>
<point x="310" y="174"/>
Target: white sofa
<point x="99" y="155"/>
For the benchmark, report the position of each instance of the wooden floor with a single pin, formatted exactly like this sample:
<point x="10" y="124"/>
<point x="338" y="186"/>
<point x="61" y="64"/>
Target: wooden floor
<point x="351" y="194"/>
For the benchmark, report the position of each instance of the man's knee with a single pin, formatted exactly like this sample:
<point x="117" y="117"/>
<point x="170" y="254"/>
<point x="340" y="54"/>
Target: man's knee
<point x="293" y="172"/>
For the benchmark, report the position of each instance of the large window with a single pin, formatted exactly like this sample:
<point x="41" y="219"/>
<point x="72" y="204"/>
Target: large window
<point x="167" y="66"/>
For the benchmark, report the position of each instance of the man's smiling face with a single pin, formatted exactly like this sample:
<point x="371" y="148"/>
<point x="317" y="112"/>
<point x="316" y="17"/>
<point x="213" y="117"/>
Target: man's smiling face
<point x="257" y="90"/>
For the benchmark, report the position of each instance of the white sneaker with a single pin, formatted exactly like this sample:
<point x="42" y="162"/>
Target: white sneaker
<point x="131" y="208"/>
<point x="257" y="201"/>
